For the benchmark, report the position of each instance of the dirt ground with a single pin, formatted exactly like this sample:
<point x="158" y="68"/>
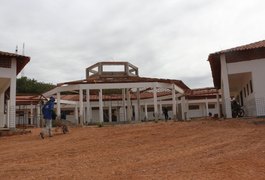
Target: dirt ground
<point x="202" y="149"/>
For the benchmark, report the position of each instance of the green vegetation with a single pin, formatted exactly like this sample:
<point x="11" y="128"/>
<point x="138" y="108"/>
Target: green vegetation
<point x="32" y="86"/>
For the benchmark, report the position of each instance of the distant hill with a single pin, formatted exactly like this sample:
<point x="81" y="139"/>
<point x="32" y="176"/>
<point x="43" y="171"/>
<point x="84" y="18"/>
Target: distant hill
<point x="32" y="86"/>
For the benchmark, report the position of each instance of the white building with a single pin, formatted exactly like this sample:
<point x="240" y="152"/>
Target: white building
<point x="202" y="102"/>
<point x="124" y="83"/>
<point x="10" y="65"/>
<point x="113" y="91"/>
<point x="239" y="72"/>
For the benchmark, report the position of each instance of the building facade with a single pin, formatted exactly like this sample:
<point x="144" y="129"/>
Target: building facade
<point x="10" y="65"/>
<point x="239" y="73"/>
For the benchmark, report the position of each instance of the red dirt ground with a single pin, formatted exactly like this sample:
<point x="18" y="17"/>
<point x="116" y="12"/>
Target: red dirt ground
<point x="204" y="149"/>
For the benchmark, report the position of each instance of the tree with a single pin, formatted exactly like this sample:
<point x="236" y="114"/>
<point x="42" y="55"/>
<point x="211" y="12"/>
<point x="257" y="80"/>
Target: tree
<point x="32" y="86"/>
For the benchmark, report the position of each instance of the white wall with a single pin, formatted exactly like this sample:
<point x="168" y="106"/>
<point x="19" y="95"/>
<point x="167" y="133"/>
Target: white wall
<point x="202" y="112"/>
<point x="8" y="78"/>
<point x="254" y="102"/>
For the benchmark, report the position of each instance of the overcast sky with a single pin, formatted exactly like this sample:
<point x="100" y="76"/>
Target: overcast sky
<point x="163" y="38"/>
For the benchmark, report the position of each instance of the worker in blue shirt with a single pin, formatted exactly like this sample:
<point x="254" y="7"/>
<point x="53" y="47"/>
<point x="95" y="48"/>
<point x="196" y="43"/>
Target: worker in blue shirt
<point x="47" y="111"/>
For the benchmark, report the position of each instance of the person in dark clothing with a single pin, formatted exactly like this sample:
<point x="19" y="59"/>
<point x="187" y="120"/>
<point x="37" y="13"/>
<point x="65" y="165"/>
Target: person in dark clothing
<point x="165" y="112"/>
<point x="63" y="115"/>
<point x="47" y="112"/>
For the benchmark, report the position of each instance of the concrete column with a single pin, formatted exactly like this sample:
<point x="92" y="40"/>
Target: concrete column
<point x="2" y="109"/>
<point x="225" y="87"/>
<point x="218" y="105"/>
<point x="58" y="109"/>
<point x="81" y="107"/>
<point x="100" y="107"/>
<point x="110" y="112"/>
<point x="76" y="114"/>
<point x="146" y="112"/>
<point x="207" y="107"/>
<point x="129" y="107"/>
<point x="135" y="110"/>
<point x="187" y="109"/>
<point x="8" y="114"/>
<point x="138" y="109"/>
<point x="26" y="115"/>
<point x="13" y="86"/>
<point x="88" y="107"/>
<point x="174" y="107"/>
<point x="31" y="114"/>
<point x="123" y="105"/>
<point x="160" y="110"/>
<point x="183" y="108"/>
<point x="38" y="115"/>
<point x="155" y="101"/>
<point x="177" y="108"/>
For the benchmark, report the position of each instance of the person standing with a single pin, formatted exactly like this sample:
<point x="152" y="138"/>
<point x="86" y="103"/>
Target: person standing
<point x="47" y="111"/>
<point x="165" y="111"/>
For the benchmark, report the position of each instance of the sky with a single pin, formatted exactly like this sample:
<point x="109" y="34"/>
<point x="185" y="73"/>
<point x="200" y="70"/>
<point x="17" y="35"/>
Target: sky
<point x="163" y="38"/>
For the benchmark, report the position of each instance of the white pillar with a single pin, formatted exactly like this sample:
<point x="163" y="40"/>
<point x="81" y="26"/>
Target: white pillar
<point x="138" y="109"/>
<point x="160" y="110"/>
<point x="38" y="115"/>
<point x="8" y="114"/>
<point x="225" y="87"/>
<point x="218" y="104"/>
<point x="31" y="113"/>
<point x="146" y="112"/>
<point x="81" y="107"/>
<point x="13" y="85"/>
<point x="26" y="115"/>
<point x="76" y="114"/>
<point x="129" y="107"/>
<point x="207" y="107"/>
<point x="155" y="101"/>
<point x="183" y="108"/>
<point x="123" y="105"/>
<point x="174" y="109"/>
<point x="187" y="109"/>
<point x="110" y="112"/>
<point x="177" y="110"/>
<point x="135" y="108"/>
<point x="100" y="107"/>
<point x="58" y="109"/>
<point x="88" y="107"/>
<point x="2" y="109"/>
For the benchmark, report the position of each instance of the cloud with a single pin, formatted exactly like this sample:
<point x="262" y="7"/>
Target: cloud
<point x="165" y="39"/>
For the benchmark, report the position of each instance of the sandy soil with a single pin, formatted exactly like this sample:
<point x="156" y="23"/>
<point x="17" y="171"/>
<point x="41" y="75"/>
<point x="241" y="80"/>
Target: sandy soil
<point x="204" y="149"/>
